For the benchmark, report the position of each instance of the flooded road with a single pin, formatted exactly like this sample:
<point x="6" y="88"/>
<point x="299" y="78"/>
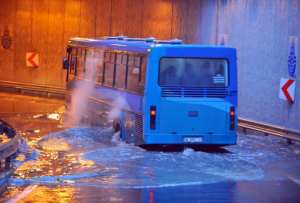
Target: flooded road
<point x="87" y="164"/>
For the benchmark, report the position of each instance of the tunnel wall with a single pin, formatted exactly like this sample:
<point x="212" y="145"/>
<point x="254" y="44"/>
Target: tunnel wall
<point x="44" y="26"/>
<point x="260" y="31"/>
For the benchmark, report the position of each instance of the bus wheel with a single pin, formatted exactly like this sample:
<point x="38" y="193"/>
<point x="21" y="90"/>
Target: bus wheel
<point x="116" y="126"/>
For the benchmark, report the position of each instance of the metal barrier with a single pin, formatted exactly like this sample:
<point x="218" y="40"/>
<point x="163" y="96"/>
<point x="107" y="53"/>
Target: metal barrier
<point x="267" y="129"/>
<point x="33" y="89"/>
<point x="8" y="149"/>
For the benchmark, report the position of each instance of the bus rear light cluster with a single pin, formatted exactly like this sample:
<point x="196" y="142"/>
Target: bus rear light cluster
<point x="232" y="118"/>
<point x="152" y="117"/>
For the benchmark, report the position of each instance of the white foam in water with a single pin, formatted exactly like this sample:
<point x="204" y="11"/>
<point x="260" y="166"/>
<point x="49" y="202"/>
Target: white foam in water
<point x="54" y="180"/>
<point x="23" y="194"/>
<point x="118" y="104"/>
<point x="188" y="151"/>
<point x="116" y="138"/>
<point x="55" y="144"/>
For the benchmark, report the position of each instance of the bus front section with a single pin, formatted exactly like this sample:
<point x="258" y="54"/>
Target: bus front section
<point x="191" y="96"/>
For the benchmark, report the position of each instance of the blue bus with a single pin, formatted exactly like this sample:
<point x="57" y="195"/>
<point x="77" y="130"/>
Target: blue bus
<point x="175" y="93"/>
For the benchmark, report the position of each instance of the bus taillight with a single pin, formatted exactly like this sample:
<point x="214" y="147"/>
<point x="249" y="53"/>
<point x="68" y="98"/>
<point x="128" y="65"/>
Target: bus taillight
<point x="152" y="117"/>
<point x="232" y="118"/>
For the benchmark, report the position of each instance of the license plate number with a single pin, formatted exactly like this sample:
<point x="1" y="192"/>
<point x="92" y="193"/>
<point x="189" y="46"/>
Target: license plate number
<point x="192" y="139"/>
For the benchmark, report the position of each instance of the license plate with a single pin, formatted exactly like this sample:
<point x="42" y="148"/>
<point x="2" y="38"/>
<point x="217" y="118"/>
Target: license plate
<point x="192" y="139"/>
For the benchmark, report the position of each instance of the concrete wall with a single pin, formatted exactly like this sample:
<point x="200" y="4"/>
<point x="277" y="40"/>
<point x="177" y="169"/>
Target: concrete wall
<point x="260" y="30"/>
<point x="44" y="26"/>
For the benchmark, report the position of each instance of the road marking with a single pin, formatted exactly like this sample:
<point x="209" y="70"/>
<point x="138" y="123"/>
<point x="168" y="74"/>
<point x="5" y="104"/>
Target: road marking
<point x="23" y="194"/>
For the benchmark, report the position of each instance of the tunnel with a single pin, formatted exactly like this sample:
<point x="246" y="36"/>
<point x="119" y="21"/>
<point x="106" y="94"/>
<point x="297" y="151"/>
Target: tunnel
<point x="149" y="101"/>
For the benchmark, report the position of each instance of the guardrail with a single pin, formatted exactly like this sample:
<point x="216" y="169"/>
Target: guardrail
<point x="9" y="148"/>
<point x="267" y="129"/>
<point x="56" y="92"/>
<point x="33" y="89"/>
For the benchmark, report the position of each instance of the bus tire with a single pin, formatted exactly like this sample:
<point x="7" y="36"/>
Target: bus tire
<point x="116" y="126"/>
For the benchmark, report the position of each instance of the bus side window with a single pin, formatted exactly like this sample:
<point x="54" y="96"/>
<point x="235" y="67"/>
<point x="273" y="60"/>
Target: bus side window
<point x="80" y="58"/>
<point x="84" y="55"/>
<point x="143" y="72"/>
<point x="76" y="62"/>
<point x="109" y="70"/>
<point x="134" y="71"/>
<point x="92" y="58"/>
<point x="99" y="55"/>
<point x="73" y="61"/>
<point x="72" y="56"/>
<point x="121" y="70"/>
<point x="105" y="62"/>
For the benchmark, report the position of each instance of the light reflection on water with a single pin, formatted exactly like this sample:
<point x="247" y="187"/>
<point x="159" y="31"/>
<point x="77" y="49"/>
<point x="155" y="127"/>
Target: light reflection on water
<point x="86" y="156"/>
<point x="42" y="194"/>
<point x="64" y="165"/>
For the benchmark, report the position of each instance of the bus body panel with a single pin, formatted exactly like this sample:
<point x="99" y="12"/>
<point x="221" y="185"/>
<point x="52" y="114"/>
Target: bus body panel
<point x="192" y="117"/>
<point x="208" y="117"/>
<point x="178" y="119"/>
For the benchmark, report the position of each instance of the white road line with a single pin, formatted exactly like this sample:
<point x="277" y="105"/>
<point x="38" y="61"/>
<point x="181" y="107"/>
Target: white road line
<point x="23" y="194"/>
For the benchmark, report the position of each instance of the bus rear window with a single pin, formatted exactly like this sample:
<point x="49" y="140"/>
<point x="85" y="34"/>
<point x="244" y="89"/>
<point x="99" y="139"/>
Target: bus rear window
<point x="193" y="72"/>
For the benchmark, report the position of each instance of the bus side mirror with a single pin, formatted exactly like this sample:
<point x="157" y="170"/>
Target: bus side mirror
<point x="66" y="64"/>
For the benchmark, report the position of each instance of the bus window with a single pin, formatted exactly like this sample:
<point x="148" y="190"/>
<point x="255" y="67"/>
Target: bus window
<point x="89" y="60"/>
<point x="80" y="60"/>
<point x="121" y="70"/>
<point x="143" y="71"/>
<point x="84" y="56"/>
<point x="134" y="74"/>
<point x="131" y="59"/>
<point x="193" y="72"/>
<point x="73" y="61"/>
<point x="119" y="58"/>
<point x="124" y="59"/>
<point x="109" y="69"/>
<point x="137" y="61"/>
<point x="92" y="58"/>
<point x="100" y="60"/>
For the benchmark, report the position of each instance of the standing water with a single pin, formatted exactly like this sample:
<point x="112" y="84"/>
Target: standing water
<point x="81" y="163"/>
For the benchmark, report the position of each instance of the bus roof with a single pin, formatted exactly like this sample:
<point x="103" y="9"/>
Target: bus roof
<point x="142" y="45"/>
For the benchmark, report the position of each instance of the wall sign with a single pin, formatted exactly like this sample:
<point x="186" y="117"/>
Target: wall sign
<point x="287" y="90"/>
<point x="32" y="59"/>
<point x="6" y="39"/>
<point x="292" y="59"/>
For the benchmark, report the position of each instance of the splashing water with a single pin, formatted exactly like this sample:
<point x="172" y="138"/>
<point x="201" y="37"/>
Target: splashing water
<point x="54" y="144"/>
<point x="188" y="152"/>
<point x="116" y="138"/>
<point x="118" y="104"/>
<point x="84" y="90"/>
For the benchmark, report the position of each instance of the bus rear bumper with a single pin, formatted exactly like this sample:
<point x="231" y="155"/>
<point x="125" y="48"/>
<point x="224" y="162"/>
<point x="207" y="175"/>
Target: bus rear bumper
<point x="167" y="139"/>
